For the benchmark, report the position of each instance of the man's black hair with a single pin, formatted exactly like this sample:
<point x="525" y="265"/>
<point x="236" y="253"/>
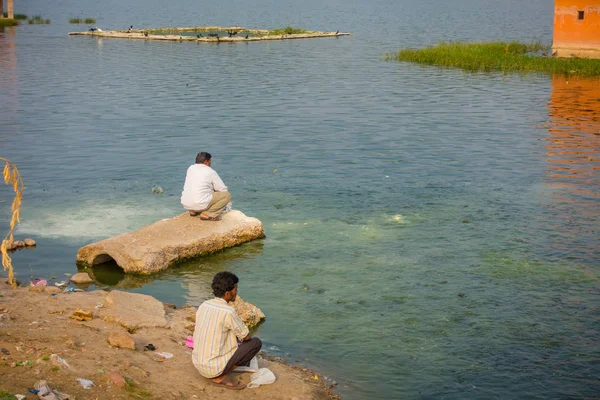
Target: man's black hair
<point x="223" y="282"/>
<point x="203" y="156"/>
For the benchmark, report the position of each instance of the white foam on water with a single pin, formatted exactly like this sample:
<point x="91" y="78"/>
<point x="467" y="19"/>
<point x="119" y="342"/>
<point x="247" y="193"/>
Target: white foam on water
<point x="397" y="218"/>
<point x="93" y="220"/>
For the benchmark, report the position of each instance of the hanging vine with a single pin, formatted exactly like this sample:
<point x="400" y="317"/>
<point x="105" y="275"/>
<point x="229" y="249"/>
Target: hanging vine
<point x="12" y="177"/>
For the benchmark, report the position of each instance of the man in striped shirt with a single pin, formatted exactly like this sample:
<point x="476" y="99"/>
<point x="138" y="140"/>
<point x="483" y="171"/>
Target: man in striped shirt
<point x="221" y="340"/>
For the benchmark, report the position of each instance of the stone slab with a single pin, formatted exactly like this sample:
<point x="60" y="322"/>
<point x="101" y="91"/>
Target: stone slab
<point x="133" y="310"/>
<point x="157" y="246"/>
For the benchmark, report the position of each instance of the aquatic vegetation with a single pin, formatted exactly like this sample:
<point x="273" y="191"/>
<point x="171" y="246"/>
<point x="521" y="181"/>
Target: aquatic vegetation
<point x="288" y="30"/>
<point x="38" y="20"/>
<point x="498" y="56"/>
<point x="503" y="267"/>
<point x="16" y="16"/>
<point x="8" y="22"/>
<point x="78" y="20"/>
<point x="11" y="177"/>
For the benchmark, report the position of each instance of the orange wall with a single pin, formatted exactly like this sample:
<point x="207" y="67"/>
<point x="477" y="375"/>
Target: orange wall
<point x="568" y="28"/>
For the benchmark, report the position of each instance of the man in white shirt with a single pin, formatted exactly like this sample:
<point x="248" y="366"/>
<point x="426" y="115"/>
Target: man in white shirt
<point x="204" y="192"/>
<point x="222" y="341"/>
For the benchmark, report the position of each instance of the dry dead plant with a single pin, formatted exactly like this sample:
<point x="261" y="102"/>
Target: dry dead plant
<point x="11" y="177"/>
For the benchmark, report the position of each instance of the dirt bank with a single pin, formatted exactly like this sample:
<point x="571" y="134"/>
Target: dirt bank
<point x="36" y="331"/>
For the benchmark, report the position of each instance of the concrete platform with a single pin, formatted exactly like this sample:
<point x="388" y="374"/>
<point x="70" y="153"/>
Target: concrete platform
<point x="172" y="34"/>
<point x="158" y="246"/>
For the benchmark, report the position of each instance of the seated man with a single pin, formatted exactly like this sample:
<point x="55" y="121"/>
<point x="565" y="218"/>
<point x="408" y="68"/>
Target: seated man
<point x="218" y="330"/>
<point x="204" y="192"/>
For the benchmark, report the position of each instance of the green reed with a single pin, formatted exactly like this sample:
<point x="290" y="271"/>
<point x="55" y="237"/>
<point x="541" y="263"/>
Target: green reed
<point x="38" y="20"/>
<point x="288" y="30"/>
<point x="498" y="56"/>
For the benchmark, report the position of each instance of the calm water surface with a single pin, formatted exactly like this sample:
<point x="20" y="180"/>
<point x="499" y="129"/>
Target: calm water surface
<point x="430" y="233"/>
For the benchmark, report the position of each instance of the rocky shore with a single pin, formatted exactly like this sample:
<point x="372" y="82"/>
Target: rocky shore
<point x="70" y="338"/>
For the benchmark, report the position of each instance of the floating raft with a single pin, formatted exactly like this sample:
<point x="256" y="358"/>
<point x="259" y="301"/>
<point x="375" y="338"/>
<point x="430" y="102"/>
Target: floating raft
<point x="175" y="34"/>
<point x="158" y="246"/>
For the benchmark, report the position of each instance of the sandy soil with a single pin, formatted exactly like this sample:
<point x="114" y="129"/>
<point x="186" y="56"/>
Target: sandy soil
<point x="36" y="324"/>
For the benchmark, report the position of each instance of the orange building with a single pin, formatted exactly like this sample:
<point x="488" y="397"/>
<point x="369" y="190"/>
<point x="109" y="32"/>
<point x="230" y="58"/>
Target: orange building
<point x="576" y="28"/>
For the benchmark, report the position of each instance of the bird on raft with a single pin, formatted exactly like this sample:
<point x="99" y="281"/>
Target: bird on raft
<point x="246" y="37"/>
<point x="199" y="35"/>
<point x="96" y="29"/>
<point x="336" y="32"/>
<point x="146" y="34"/>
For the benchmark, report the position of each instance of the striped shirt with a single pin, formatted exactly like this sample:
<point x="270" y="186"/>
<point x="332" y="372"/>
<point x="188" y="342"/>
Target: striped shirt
<point x="217" y="326"/>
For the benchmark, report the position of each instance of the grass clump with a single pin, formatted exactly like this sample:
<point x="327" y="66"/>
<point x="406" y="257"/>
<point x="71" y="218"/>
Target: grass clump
<point x="497" y="56"/>
<point x="8" y="22"/>
<point x="78" y="20"/>
<point x="38" y="20"/>
<point x="19" y="17"/>
<point x="288" y="30"/>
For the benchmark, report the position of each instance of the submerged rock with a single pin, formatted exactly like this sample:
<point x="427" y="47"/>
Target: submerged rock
<point x="157" y="246"/>
<point x="81" y="277"/>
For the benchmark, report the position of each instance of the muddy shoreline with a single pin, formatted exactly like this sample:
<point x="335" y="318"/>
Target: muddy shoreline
<point x="37" y="331"/>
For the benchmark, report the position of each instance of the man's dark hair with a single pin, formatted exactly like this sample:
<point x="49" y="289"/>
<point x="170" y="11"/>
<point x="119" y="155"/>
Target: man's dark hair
<point x="223" y="282"/>
<point x="203" y="156"/>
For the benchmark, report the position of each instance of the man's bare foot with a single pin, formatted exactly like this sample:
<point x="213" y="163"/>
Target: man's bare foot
<point x="228" y="382"/>
<point x="205" y="217"/>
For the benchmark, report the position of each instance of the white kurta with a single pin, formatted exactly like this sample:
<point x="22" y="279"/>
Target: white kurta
<point x="200" y="183"/>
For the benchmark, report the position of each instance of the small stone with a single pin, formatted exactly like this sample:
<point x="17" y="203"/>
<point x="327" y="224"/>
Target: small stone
<point x="333" y="383"/>
<point x="117" y="379"/>
<point x="121" y="340"/>
<point x="461" y="295"/>
<point x="465" y="221"/>
<point x="171" y="306"/>
<point x="19" y="243"/>
<point x="29" y="242"/>
<point x="36" y="289"/>
<point x="81" y="277"/>
<point x="82" y="315"/>
<point x="52" y="289"/>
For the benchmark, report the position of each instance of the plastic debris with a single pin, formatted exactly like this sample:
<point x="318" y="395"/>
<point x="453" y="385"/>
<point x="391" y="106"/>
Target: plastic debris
<point x="85" y="383"/>
<point x="165" y="355"/>
<point x="71" y="290"/>
<point x="157" y="189"/>
<point x="61" y="283"/>
<point x="253" y="367"/>
<point x="39" y="282"/>
<point x="23" y="363"/>
<point x="189" y="342"/>
<point x="264" y="376"/>
<point x="60" y="360"/>
<point x="20" y="396"/>
<point x="45" y="392"/>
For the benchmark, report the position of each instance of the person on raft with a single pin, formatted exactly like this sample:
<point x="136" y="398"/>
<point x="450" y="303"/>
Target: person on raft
<point x="222" y="341"/>
<point x="204" y="193"/>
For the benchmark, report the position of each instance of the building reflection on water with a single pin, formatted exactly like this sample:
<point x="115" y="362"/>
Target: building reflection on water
<point x="573" y="169"/>
<point x="8" y="82"/>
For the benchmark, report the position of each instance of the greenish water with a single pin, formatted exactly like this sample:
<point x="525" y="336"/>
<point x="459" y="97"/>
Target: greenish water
<point x="430" y="233"/>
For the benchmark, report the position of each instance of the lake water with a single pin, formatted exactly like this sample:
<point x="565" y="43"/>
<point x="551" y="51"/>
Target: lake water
<point x="430" y="233"/>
